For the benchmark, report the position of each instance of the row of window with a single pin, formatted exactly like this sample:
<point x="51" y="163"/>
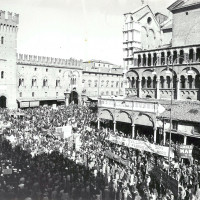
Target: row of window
<point x="33" y="94"/>
<point x="46" y="69"/>
<point x="34" y="82"/>
<point x="104" y="85"/>
<point x="109" y="93"/>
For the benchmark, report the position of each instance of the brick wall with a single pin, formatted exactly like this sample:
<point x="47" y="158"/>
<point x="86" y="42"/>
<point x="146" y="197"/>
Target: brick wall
<point x="186" y="28"/>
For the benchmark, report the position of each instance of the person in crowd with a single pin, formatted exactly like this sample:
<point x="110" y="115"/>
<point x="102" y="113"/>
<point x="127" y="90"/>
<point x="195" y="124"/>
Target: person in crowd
<point x="46" y="166"/>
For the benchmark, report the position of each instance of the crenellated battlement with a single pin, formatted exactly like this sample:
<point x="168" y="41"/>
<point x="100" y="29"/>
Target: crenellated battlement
<point x="47" y="61"/>
<point x="9" y="18"/>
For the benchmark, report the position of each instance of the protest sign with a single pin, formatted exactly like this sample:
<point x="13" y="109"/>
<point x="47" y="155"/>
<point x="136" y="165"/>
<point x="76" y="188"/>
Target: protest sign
<point x="141" y="145"/>
<point x="77" y="141"/>
<point x="185" y="151"/>
<point x="7" y="171"/>
<point x="117" y="158"/>
<point x="63" y="132"/>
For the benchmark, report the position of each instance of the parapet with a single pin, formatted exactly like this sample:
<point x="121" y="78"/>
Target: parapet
<point x="9" y="17"/>
<point x="48" y="61"/>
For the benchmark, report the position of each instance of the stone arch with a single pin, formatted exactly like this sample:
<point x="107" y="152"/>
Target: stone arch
<point x="123" y="116"/>
<point x="106" y="114"/>
<point x="163" y="72"/>
<point x="185" y="70"/>
<point x="132" y="73"/>
<point x="147" y="73"/>
<point x="144" y="119"/>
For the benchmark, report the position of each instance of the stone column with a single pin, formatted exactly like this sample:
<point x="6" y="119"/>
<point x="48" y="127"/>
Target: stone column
<point x="164" y="137"/>
<point x="186" y="55"/>
<point x="151" y="84"/>
<point x="158" y="88"/>
<point x="165" y="57"/>
<point x="155" y="134"/>
<point x="178" y="58"/>
<point x="194" y="54"/>
<point x="142" y="61"/>
<point x="178" y="88"/>
<point x="164" y="82"/>
<point x="114" y="126"/>
<point x="185" y="140"/>
<point x="158" y="59"/>
<point x="133" y="131"/>
<point x="139" y="88"/>
<point x="145" y="83"/>
<point x="152" y="59"/>
<point x="186" y="83"/>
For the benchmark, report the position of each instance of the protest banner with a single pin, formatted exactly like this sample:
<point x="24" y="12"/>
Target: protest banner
<point x="117" y="158"/>
<point x="7" y="171"/>
<point x="185" y="151"/>
<point x="63" y="132"/>
<point x="196" y="153"/>
<point x="77" y="141"/>
<point x="141" y="145"/>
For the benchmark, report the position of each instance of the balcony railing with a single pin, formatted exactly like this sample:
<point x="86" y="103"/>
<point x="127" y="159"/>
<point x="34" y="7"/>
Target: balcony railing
<point x="132" y="105"/>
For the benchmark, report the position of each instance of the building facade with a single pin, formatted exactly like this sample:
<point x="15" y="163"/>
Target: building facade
<point x="30" y="80"/>
<point x="163" y="69"/>
<point x="101" y="78"/>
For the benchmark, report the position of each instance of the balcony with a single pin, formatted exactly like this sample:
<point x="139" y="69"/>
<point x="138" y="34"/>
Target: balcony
<point x="149" y="93"/>
<point x="131" y="105"/>
<point x="131" y="91"/>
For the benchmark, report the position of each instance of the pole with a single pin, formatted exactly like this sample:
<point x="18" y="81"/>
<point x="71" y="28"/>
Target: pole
<point x="170" y="132"/>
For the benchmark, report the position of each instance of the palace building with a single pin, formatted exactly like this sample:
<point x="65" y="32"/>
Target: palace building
<point x="162" y="62"/>
<point x="31" y="80"/>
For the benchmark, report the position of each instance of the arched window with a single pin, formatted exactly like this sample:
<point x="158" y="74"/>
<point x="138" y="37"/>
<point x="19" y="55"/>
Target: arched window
<point x="2" y="40"/>
<point x="45" y="82"/>
<point x="57" y="83"/>
<point x="107" y="83"/>
<point x="21" y="82"/>
<point x="182" y="82"/>
<point x="34" y="82"/>
<point x="95" y="83"/>
<point x="2" y="74"/>
<point x="89" y="83"/>
<point x="20" y="94"/>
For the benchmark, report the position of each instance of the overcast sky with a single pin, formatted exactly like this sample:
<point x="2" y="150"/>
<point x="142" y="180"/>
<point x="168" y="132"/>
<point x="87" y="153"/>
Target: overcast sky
<point x="82" y="29"/>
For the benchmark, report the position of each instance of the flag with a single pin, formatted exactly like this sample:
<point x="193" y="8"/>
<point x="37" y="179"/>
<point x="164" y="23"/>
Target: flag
<point x="161" y="109"/>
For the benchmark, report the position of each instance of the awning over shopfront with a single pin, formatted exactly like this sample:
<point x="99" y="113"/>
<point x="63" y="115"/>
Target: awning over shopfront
<point x="93" y="98"/>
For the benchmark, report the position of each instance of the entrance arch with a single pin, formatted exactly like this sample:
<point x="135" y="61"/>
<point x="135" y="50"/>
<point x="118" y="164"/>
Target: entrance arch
<point x="2" y="102"/>
<point x="73" y="97"/>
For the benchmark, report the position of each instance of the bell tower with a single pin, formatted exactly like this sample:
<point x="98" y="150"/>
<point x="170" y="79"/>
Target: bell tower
<point x="8" y="67"/>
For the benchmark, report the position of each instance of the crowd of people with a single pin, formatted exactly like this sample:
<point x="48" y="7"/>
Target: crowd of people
<point x="46" y="167"/>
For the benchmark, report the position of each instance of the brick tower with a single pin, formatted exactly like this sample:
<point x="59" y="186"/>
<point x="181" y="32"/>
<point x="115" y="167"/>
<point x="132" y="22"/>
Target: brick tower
<point x="8" y="69"/>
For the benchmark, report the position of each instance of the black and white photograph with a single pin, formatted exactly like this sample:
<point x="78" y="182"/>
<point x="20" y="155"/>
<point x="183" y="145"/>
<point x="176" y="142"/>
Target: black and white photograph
<point x="100" y="100"/>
